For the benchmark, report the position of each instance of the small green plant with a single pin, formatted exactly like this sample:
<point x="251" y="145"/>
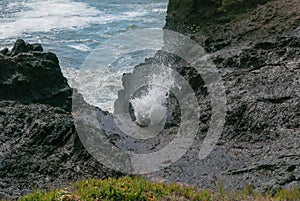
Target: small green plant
<point x="231" y="5"/>
<point x="136" y="188"/>
<point x="285" y="194"/>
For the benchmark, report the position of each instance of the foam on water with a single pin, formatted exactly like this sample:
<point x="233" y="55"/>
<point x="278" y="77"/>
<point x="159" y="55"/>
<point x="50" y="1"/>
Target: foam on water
<point x="81" y="47"/>
<point x="44" y="16"/>
<point x="150" y="108"/>
<point x="72" y="29"/>
<point x="158" y="10"/>
<point x="49" y="15"/>
<point x="99" y="87"/>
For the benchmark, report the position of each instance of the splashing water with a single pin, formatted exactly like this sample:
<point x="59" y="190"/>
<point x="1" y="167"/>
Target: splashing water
<point x="150" y="108"/>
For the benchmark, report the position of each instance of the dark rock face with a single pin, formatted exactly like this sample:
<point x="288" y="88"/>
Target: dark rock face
<point x="261" y="135"/>
<point x="261" y="72"/>
<point x="20" y="46"/>
<point x="260" y="141"/>
<point x="29" y="75"/>
<point x="40" y="147"/>
<point x="216" y="30"/>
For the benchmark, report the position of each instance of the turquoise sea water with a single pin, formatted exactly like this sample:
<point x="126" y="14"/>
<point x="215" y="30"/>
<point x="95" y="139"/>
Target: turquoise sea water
<point x="73" y="28"/>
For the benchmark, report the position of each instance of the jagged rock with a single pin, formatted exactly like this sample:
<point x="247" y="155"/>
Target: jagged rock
<point x="260" y="140"/>
<point x="29" y="75"/>
<point x="20" y="46"/>
<point x="260" y="67"/>
<point x="4" y="51"/>
<point x="215" y="30"/>
<point x="40" y="147"/>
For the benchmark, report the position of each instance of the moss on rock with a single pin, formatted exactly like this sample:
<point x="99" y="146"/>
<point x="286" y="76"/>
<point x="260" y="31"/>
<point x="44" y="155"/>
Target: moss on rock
<point x="184" y="16"/>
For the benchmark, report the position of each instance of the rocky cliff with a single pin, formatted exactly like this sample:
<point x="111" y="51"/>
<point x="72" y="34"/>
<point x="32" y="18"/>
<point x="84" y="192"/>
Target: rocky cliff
<point x="257" y="54"/>
<point x="242" y="22"/>
<point x="29" y="75"/>
<point x="39" y="144"/>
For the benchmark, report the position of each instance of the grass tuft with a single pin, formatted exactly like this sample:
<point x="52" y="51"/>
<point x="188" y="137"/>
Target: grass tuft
<point x="139" y="189"/>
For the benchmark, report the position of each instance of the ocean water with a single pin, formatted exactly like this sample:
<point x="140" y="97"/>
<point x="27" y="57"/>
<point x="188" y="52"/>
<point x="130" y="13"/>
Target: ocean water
<point x="72" y="29"/>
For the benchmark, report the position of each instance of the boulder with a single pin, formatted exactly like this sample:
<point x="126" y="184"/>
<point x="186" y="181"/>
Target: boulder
<point x="29" y="75"/>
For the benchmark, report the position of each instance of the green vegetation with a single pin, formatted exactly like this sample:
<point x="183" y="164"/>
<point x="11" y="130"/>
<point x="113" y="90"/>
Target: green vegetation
<point x="136" y="188"/>
<point x="236" y="5"/>
<point x="189" y="14"/>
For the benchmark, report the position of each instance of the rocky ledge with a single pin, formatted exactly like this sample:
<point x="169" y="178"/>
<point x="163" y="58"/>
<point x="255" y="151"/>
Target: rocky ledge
<point x="258" y="57"/>
<point x="29" y="75"/>
<point x="260" y="141"/>
<point x="39" y="145"/>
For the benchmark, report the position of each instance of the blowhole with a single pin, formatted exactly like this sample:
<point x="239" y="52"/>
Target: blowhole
<point x="152" y="111"/>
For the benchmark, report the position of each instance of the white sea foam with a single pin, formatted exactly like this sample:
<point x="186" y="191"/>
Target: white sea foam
<point x="99" y="87"/>
<point x="133" y="14"/>
<point x="150" y="108"/>
<point x="46" y="21"/>
<point x="159" y="10"/>
<point x="44" y="16"/>
<point x="81" y="47"/>
<point x="49" y="15"/>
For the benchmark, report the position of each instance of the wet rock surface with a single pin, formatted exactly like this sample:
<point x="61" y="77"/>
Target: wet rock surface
<point x="260" y="141"/>
<point x="40" y="147"/>
<point x="261" y="73"/>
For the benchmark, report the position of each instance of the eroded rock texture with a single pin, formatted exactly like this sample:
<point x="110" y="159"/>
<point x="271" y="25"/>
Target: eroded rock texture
<point x="39" y="144"/>
<point x="258" y="57"/>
